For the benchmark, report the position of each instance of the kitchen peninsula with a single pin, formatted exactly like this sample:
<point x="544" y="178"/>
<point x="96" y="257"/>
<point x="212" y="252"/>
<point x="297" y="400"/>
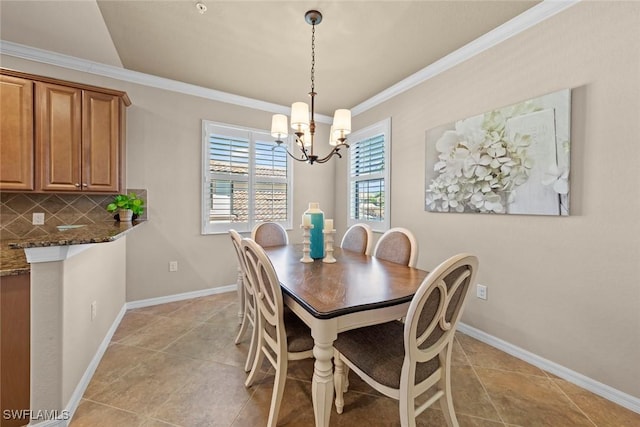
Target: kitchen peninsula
<point x="61" y="293"/>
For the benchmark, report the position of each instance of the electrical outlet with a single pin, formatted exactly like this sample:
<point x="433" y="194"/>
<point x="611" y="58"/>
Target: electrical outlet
<point x="481" y="291"/>
<point x="173" y="266"/>
<point x="37" y="218"/>
<point x="94" y="309"/>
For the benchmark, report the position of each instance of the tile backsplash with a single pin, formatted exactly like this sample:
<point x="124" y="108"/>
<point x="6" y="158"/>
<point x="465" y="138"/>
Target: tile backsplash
<point x="16" y="211"/>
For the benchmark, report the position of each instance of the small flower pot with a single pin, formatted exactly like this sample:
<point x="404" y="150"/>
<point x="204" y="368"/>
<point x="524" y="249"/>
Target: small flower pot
<point x="125" y="215"/>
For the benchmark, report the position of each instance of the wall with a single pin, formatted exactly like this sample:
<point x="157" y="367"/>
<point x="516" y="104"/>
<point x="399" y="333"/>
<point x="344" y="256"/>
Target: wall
<point x="64" y="339"/>
<point x="46" y="337"/>
<point x="566" y="289"/>
<point x="164" y="134"/>
<point x="96" y="274"/>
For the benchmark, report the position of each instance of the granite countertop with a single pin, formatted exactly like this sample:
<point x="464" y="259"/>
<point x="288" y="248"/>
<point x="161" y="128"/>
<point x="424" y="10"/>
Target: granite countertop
<point x="13" y="260"/>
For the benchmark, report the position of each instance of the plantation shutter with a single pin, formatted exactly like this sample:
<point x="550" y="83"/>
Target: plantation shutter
<point x="246" y="180"/>
<point x="368" y="175"/>
<point x="271" y="189"/>
<point x="368" y="179"/>
<point x="229" y="184"/>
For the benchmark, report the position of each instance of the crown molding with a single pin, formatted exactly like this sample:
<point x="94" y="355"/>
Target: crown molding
<point x="525" y="20"/>
<point x="78" y="64"/>
<point x="520" y="23"/>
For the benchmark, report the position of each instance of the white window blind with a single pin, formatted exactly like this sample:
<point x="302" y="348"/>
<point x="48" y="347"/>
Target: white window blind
<point x="245" y="180"/>
<point x="369" y="176"/>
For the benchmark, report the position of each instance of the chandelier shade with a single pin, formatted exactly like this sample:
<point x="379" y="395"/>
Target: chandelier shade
<point x="303" y="120"/>
<point x="279" y="128"/>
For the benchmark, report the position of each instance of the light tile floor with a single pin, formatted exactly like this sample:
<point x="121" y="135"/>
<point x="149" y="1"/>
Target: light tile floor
<point x="176" y="365"/>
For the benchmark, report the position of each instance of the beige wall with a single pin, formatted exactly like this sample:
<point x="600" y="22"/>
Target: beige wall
<point x="46" y="336"/>
<point x="97" y="274"/>
<point x="566" y="289"/>
<point x="64" y="338"/>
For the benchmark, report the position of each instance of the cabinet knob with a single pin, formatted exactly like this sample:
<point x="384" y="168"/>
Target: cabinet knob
<point x="84" y="184"/>
<point x="77" y="185"/>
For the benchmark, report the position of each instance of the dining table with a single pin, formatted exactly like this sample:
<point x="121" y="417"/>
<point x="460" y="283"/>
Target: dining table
<point x="355" y="291"/>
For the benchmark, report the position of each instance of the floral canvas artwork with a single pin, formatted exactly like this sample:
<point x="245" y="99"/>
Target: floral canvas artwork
<point x="514" y="160"/>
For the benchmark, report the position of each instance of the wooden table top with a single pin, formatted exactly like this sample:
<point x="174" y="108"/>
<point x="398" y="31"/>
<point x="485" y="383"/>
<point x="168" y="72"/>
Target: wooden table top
<point x="356" y="282"/>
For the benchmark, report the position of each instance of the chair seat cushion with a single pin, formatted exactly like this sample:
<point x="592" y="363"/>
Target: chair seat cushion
<point x="298" y="333"/>
<point x="378" y="351"/>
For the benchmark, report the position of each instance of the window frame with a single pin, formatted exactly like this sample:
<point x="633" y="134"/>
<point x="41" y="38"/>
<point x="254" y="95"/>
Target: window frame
<point x="382" y="127"/>
<point x="253" y="135"/>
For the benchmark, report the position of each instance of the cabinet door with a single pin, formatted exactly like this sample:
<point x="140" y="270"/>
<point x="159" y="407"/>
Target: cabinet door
<point x="100" y="142"/>
<point x="58" y="132"/>
<point x="15" y="346"/>
<point x="16" y="134"/>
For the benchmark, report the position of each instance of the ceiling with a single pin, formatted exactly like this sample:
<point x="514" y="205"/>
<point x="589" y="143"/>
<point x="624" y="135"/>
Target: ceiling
<point x="262" y="49"/>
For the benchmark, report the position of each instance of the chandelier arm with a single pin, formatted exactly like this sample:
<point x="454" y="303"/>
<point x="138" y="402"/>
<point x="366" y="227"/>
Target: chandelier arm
<point x="300" y="143"/>
<point x="305" y="158"/>
<point x="334" y="152"/>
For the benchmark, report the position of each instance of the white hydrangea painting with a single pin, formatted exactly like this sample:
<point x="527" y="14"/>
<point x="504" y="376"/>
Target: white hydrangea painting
<point x="514" y="160"/>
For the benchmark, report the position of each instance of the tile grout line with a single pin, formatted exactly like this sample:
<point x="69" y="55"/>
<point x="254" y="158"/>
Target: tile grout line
<point x="108" y="383"/>
<point x="175" y="391"/>
<point x="480" y="381"/>
<point x="146" y="326"/>
<point x="145" y="417"/>
<point x="159" y="351"/>
<point x="198" y="324"/>
<point x="246" y="403"/>
<point x="554" y="384"/>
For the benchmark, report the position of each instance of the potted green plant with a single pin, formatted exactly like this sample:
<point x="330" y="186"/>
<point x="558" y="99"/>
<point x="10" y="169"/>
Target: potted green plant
<point x="127" y="206"/>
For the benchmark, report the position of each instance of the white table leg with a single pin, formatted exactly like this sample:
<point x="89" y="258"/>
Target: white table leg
<point x="324" y="334"/>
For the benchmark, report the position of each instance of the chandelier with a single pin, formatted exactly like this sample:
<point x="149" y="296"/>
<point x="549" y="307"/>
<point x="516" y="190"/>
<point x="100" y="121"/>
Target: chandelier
<point x="303" y="123"/>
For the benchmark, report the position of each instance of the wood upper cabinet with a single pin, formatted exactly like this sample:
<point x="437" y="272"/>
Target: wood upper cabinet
<point x="79" y="136"/>
<point x="77" y="139"/>
<point x="16" y="134"/>
<point x="100" y="141"/>
<point x="58" y="137"/>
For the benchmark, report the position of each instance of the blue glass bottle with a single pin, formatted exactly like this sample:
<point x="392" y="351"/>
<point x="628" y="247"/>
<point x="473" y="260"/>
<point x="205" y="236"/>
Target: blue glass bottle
<point x="317" y="236"/>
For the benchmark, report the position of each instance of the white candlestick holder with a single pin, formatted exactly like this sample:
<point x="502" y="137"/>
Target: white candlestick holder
<point x="306" y="243"/>
<point x="328" y="246"/>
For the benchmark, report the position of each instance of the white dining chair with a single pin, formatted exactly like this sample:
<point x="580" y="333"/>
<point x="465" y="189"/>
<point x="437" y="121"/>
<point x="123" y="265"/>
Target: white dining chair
<point x="397" y="245"/>
<point x="269" y="234"/>
<point x="404" y="361"/>
<point x="357" y="239"/>
<point x="247" y="302"/>
<point x="282" y="336"/>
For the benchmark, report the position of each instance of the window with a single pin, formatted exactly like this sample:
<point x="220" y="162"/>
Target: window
<point x="369" y="164"/>
<point x="245" y="180"/>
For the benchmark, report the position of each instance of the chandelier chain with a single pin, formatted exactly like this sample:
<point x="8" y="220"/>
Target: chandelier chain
<point x="313" y="57"/>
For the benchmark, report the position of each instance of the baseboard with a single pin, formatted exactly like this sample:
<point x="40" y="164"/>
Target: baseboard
<point x="74" y="400"/>
<point x="180" y="297"/>
<point x="616" y="396"/>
